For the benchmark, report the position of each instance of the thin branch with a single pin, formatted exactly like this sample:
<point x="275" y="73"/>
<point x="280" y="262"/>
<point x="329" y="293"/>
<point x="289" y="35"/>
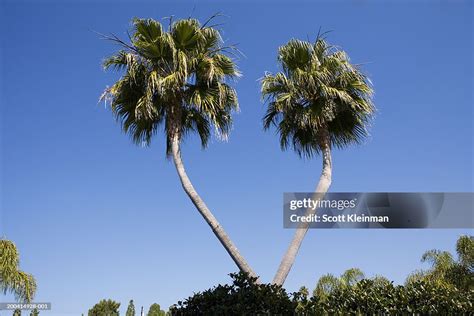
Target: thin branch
<point x="170" y="18"/>
<point x="215" y="25"/>
<point x="215" y="15"/>
<point x="192" y="11"/>
<point x="114" y="38"/>
<point x="230" y="49"/>
<point x="322" y="35"/>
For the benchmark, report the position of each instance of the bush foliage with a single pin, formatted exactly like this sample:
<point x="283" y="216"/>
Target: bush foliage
<point x="245" y="297"/>
<point x="370" y="297"/>
<point x="105" y="308"/>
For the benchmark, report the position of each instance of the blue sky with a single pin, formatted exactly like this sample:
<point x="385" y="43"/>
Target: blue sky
<point x="96" y="217"/>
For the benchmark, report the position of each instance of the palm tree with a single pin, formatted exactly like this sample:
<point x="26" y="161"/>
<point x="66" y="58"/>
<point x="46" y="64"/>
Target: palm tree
<point x="351" y="276"/>
<point x="318" y="101"/>
<point x="328" y="283"/>
<point x="176" y="80"/>
<point x="465" y="251"/>
<point x="444" y="269"/>
<point x="12" y="279"/>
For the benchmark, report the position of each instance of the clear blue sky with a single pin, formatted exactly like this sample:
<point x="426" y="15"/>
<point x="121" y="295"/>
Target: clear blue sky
<point x="96" y="217"/>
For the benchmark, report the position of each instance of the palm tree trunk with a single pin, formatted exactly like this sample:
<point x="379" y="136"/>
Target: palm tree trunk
<point x="205" y="212"/>
<point x="321" y="189"/>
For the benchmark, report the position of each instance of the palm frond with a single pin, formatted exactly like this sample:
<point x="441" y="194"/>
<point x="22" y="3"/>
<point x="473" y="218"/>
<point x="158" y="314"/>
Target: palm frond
<point x="327" y="284"/>
<point x="12" y="280"/>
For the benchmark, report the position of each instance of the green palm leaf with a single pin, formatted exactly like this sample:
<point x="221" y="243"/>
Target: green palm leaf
<point x="12" y="279"/>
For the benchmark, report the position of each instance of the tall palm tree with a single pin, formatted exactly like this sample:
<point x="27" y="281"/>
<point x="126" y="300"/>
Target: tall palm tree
<point x="319" y="100"/>
<point x="12" y="279"/>
<point x="176" y="80"/>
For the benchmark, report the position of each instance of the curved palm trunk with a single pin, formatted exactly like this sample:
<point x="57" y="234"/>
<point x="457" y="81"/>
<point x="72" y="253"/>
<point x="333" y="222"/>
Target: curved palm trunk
<point x="205" y="212"/>
<point x="321" y="189"/>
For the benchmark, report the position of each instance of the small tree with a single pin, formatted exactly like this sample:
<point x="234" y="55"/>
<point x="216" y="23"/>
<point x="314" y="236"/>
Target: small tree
<point x="130" y="309"/>
<point x="155" y="310"/>
<point x="105" y="308"/>
<point x="328" y="283"/>
<point x="34" y="312"/>
<point x="302" y="299"/>
<point x="17" y="312"/>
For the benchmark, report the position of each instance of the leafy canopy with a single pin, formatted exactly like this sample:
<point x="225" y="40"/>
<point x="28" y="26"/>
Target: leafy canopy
<point x="328" y="283"/>
<point x="12" y="279"/>
<point x="155" y="310"/>
<point x="105" y="308"/>
<point x="318" y="92"/>
<point x="243" y="297"/>
<point x="350" y="294"/>
<point x="445" y="270"/>
<point x="177" y="79"/>
<point x="362" y="297"/>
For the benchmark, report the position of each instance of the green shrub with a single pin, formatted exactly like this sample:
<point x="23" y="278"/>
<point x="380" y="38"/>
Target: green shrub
<point x="368" y="297"/>
<point x="243" y="297"/>
<point x="105" y="308"/>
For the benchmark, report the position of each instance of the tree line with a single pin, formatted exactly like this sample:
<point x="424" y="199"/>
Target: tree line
<point x="111" y="308"/>
<point x="446" y="287"/>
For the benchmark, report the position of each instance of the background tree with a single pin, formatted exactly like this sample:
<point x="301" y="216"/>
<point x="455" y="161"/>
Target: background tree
<point x="34" y="312"/>
<point x="176" y="80"/>
<point x="349" y="294"/>
<point x="465" y="251"/>
<point x="17" y="312"/>
<point x="12" y="279"/>
<point x="328" y="283"/>
<point x="105" y="308"/>
<point x="130" y="309"/>
<point x="302" y="299"/>
<point x="155" y="310"/>
<point x="381" y="280"/>
<point x="351" y="276"/>
<point x="318" y="101"/>
<point x="444" y="269"/>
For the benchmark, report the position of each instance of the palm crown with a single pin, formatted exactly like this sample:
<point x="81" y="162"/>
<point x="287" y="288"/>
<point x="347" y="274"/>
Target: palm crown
<point x="318" y="93"/>
<point x="176" y="79"/>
